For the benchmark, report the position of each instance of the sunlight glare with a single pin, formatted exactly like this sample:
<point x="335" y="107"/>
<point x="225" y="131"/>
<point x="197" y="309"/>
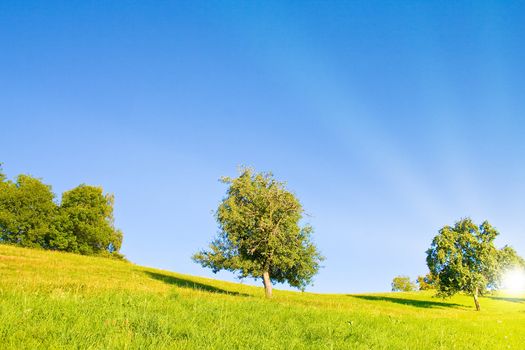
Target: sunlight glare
<point x="514" y="281"/>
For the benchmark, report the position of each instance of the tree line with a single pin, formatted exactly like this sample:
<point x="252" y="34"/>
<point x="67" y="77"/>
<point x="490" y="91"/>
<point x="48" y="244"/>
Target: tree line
<point x="82" y="222"/>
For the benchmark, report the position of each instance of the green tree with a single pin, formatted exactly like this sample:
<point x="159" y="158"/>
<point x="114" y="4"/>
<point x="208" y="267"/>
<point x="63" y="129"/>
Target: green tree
<point x="402" y="284"/>
<point x="85" y="222"/>
<point x="508" y="258"/>
<point x="2" y="175"/>
<point x="425" y="282"/>
<point x="27" y="209"/>
<point x="463" y="258"/>
<point x="260" y="233"/>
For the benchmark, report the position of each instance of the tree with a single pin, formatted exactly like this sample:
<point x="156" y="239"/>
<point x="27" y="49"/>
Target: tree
<point x="82" y="223"/>
<point x="260" y="233"/>
<point x="425" y="282"/>
<point x="508" y="258"/>
<point x="86" y="222"/>
<point x="2" y="175"/>
<point x="27" y="209"/>
<point x="463" y="258"/>
<point x="402" y="284"/>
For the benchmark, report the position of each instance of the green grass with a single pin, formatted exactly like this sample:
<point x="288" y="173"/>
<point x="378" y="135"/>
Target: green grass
<point x="51" y="300"/>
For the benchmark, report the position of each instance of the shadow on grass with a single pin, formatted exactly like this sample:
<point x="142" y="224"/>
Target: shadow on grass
<point x="181" y="282"/>
<point x="411" y="302"/>
<point x="510" y="299"/>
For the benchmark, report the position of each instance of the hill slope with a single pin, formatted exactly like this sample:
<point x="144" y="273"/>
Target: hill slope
<point x="58" y="300"/>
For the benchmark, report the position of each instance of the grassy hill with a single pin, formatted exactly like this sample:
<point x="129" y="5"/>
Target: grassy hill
<point x="54" y="300"/>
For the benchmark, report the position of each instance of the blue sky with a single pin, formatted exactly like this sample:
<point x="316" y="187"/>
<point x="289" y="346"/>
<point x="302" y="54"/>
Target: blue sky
<point x="387" y="119"/>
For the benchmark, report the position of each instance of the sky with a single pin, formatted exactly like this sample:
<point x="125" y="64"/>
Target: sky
<point x="388" y="119"/>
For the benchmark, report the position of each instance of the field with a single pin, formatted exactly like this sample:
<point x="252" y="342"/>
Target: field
<point x="51" y="300"/>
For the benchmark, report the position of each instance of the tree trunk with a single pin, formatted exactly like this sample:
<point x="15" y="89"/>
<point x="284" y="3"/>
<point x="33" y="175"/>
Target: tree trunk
<point x="476" y="301"/>
<point x="267" y="284"/>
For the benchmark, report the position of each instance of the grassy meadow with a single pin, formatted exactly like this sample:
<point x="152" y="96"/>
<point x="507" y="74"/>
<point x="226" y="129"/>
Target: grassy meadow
<point x="52" y="300"/>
